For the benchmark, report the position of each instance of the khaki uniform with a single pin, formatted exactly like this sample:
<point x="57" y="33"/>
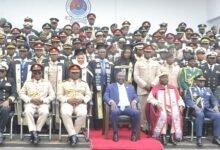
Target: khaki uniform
<point x="74" y="89"/>
<point x="145" y="71"/>
<point x="43" y="90"/>
<point x="173" y="73"/>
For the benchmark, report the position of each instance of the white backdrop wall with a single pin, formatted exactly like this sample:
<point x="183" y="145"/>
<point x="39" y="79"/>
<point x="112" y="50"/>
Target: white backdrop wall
<point x="193" y="12"/>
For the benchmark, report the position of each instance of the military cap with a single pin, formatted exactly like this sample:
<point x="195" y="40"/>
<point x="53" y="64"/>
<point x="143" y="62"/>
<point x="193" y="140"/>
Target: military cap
<point x="88" y="29"/>
<point x="137" y="33"/>
<point x="91" y="15"/>
<point x="46" y="26"/>
<point x="8" y="24"/>
<point x="54" y="51"/>
<point x="23" y="47"/>
<point x="177" y="41"/>
<point x="27" y="25"/>
<point x="98" y="33"/>
<point x="113" y="25"/>
<point x="3" y="20"/>
<point x="74" y="68"/>
<point x="142" y="29"/>
<point x="15" y="31"/>
<point x="211" y="54"/>
<point x="28" y="19"/>
<point x="117" y="32"/>
<point x="48" y="43"/>
<point x="139" y="45"/>
<point x="126" y="24"/>
<point x="182" y="24"/>
<point x="157" y="34"/>
<point x="105" y="29"/>
<point x="2" y="67"/>
<point x="33" y="38"/>
<point x="21" y="38"/>
<point x="55" y="38"/>
<point x="193" y="45"/>
<point x="80" y="51"/>
<point x="39" y="46"/>
<point x="200" y="50"/>
<point x="161" y="40"/>
<point x="2" y="36"/>
<point x="189" y="29"/>
<point x="170" y="36"/>
<point x="205" y="40"/>
<point x="75" y="23"/>
<point x="54" y="20"/>
<point x="202" y="26"/>
<point x="37" y="67"/>
<point x="188" y="49"/>
<point x="200" y="78"/>
<point x="67" y="45"/>
<point x="62" y="34"/>
<point x="163" y="24"/>
<point x="179" y="30"/>
<point x="122" y="40"/>
<point x="195" y="36"/>
<point x="146" y="24"/>
<point x="163" y="74"/>
<point x="68" y="26"/>
<point x="76" y="41"/>
<point x="11" y="45"/>
<point x="148" y="48"/>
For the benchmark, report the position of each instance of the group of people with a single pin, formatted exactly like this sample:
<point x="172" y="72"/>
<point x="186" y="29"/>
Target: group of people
<point x="151" y="78"/>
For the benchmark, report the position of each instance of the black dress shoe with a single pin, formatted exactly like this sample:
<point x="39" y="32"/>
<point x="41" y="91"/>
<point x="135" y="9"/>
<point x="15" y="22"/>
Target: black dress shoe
<point x="35" y="137"/>
<point x="164" y="139"/>
<point x="73" y="140"/>
<point x="133" y="137"/>
<point x="115" y="136"/>
<point x="216" y="140"/>
<point x="171" y="140"/>
<point x="199" y="142"/>
<point x="1" y="138"/>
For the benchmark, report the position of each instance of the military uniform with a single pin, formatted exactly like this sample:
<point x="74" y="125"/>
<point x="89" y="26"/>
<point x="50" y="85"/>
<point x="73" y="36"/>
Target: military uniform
<point x="7" y="92"/>
<point x="187" y="75"/>
<point x="36" y="89"/>
<point x="203" y="98"/>
<point x="79" y="91"/>
<point x="145" y="71"/>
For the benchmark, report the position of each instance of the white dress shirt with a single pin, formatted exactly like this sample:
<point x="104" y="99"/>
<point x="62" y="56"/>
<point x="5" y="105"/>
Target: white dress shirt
<point x="123" y="97"/>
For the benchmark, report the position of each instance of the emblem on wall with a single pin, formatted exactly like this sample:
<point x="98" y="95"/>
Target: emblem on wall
<point x="78" y="10"/>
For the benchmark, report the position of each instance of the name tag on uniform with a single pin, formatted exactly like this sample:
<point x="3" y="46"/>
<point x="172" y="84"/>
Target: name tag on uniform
<point x="8" y="84"/>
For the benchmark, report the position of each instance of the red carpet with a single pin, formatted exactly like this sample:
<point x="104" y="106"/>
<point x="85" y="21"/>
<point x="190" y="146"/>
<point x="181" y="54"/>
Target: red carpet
<point x="98" y="142"/>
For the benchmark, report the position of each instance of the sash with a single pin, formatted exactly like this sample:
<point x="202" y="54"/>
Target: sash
<point x="175" y="114"/>
<point x="99" y="102"/>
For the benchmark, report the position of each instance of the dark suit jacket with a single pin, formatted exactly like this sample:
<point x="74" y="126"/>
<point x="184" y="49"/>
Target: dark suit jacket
<point x="111" y="93"/>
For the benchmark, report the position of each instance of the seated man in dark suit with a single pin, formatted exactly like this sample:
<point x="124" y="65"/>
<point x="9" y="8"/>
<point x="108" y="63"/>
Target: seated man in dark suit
<point x="123" y="101"/>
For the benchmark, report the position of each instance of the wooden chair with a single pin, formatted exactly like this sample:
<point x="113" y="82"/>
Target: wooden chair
<point x="122" y="120"/>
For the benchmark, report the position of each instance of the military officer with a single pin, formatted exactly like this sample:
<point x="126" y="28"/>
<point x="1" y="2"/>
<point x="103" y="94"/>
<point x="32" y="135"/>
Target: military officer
<point x="188" y="73"/>
<point x="36" y="94"/>
<point x="74" y="94"/>
<point x="7" y="96"/>
<point x="145" y="71"/>
<point x="211" y="71"/>
<point x="204" y="104"/>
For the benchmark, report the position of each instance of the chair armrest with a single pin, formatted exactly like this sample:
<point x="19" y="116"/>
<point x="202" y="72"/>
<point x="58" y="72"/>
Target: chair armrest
<point x="89" y="108"/>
